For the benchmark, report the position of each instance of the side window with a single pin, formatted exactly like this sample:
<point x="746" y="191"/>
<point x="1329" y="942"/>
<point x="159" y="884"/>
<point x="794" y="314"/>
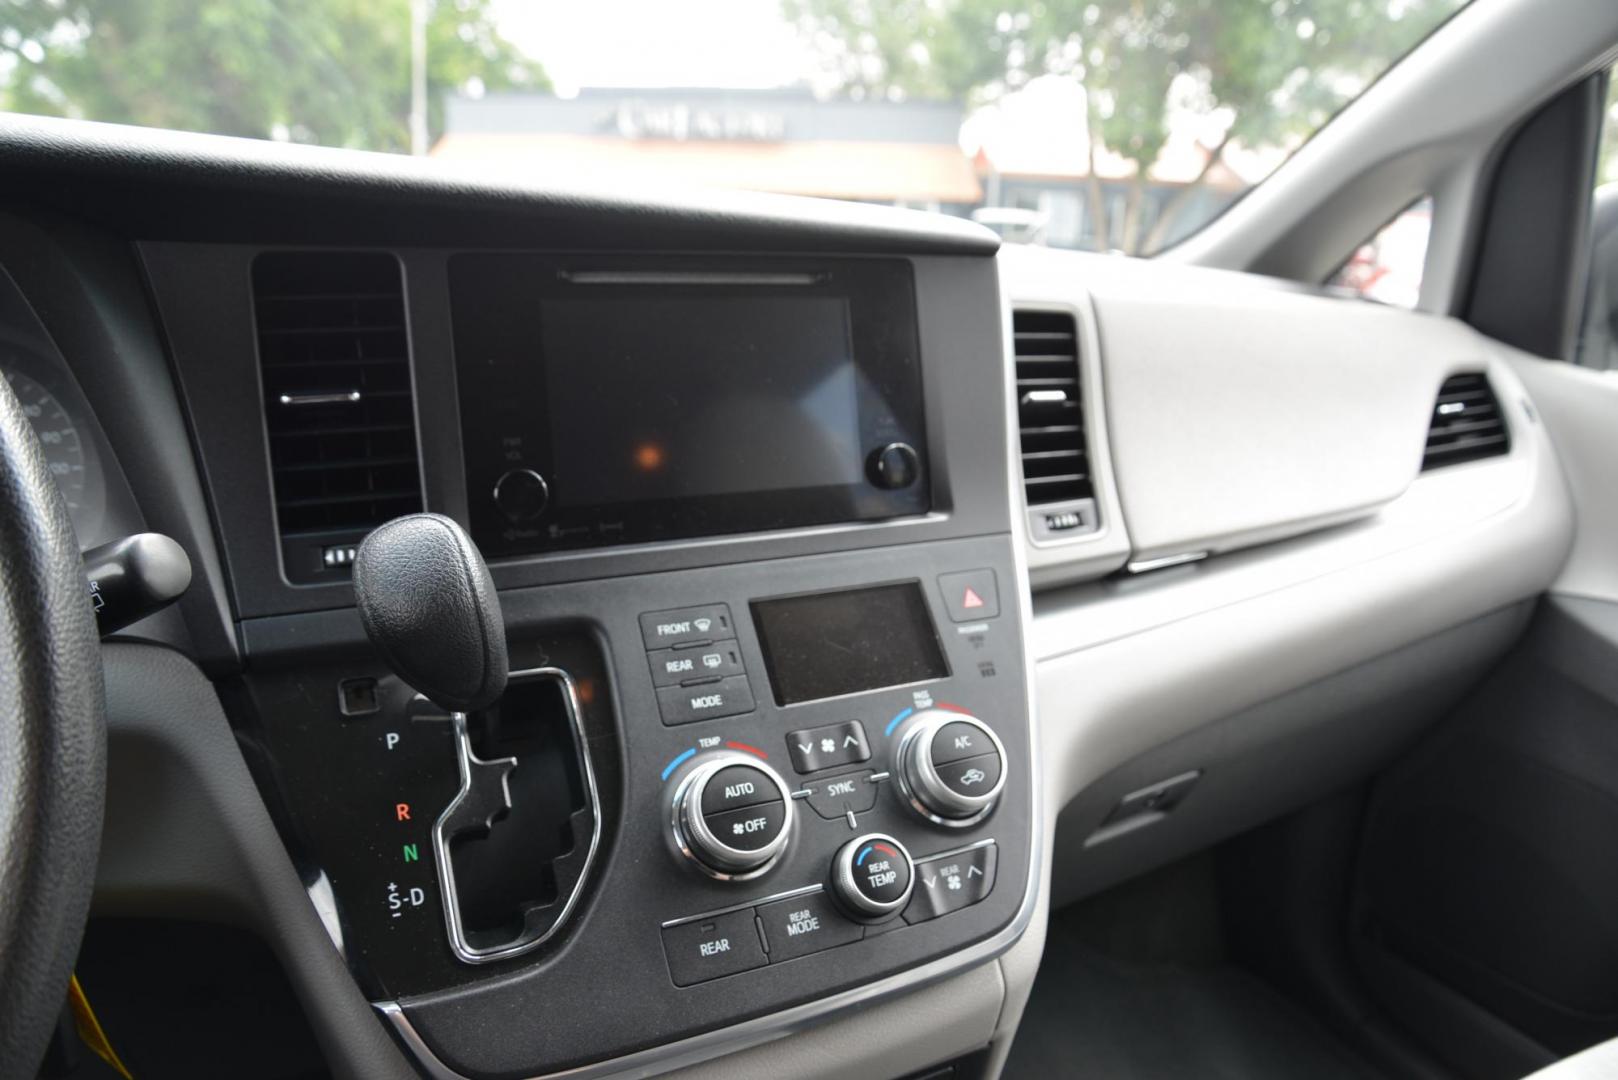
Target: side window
<point x="1387" y="268"/>
<point x="1598" y="334"/>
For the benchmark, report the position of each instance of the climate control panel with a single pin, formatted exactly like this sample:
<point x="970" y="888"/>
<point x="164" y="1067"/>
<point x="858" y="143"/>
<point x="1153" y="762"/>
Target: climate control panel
<point x="811" y="777"/>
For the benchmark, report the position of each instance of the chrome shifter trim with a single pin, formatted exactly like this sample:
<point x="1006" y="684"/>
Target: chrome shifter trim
<point x="458" y="943"/>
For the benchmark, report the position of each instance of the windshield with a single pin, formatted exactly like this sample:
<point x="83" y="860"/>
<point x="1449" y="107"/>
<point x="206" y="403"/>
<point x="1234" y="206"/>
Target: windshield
<point x="1113" y="125"/>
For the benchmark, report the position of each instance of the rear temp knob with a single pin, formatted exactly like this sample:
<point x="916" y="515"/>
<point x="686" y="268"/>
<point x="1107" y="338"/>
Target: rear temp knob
<point x="732" y="816"/>
<point x="872" y="877"/>
<point x="951" y="767"/>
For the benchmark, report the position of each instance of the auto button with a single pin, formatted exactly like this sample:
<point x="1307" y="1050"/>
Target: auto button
<point x="732" y="816"/>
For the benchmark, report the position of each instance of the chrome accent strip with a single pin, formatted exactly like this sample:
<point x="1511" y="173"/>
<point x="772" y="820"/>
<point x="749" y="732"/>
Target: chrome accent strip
<point x="952" y="852"/>
<point x="341" y="397"/>
<point x="1142" y="566"/>
<point x="678" y="277"/>
<point x="463" y="949"/>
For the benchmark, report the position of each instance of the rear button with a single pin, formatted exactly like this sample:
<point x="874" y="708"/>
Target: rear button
<point x="709" y="948"/>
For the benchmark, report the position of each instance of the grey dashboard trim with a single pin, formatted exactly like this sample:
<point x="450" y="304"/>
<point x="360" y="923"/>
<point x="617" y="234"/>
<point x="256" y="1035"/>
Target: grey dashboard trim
<point x="1246" y="627"/>
<point x="1241" y="416"/>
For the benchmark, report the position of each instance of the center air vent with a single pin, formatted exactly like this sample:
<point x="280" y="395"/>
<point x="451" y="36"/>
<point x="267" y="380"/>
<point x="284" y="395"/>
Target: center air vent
<point x="1466" y="425"/>
<point x="335" y="363"/>
<point x="1050" y="423"/>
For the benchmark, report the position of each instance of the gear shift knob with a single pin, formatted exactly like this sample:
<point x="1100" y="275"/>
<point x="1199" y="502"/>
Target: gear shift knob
<point x="429" y="606"/>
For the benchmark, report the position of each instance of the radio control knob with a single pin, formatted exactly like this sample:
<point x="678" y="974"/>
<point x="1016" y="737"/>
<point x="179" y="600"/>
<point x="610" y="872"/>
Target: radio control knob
<point x="732" y="816"/>
<point x="893" y="467"/>
<point x="521" y="495"/>
<point x="951" y="767"/>
<point x="872" y="876"/>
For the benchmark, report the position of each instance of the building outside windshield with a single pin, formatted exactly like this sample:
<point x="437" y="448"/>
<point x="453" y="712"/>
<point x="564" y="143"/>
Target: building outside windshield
<point x="1108" y="125"/>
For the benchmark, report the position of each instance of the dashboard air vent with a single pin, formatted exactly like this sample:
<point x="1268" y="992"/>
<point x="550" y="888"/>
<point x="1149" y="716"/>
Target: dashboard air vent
<point x="1466" y="423"/>
<point x="335" y="364"/>
<point x="1050" y="422"/>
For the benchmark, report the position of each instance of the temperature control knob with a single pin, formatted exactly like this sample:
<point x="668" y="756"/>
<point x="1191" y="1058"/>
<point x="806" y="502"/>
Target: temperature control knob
<point x="732" y="816"/>
<point x="951" y="767"/>
<point x="872" y="876"/>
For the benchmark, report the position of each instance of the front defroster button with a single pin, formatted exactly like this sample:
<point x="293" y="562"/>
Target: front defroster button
<point x="684" y="626"/>
<point x="713" y="947"/>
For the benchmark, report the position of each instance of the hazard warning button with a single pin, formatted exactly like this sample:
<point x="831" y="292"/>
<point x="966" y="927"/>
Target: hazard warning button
<point x="970" y="595"/>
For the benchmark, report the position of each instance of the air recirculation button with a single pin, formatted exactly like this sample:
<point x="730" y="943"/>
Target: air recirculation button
<point x="732" y="816"/>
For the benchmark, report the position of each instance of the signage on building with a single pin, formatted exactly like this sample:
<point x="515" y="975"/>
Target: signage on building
<point x="659" y="120"/>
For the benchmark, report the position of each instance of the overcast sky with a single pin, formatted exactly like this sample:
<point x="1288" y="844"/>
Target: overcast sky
<point x="734" y="43"/>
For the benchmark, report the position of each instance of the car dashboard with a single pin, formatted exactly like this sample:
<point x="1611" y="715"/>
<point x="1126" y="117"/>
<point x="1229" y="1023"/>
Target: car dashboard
<point x="867" y="586"/>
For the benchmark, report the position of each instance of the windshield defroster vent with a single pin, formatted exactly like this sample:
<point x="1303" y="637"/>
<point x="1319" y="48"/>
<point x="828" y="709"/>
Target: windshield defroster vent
<point x="338" y="411"/>
<point x="1050" y="424"/>
<point x="1466" y="425"/>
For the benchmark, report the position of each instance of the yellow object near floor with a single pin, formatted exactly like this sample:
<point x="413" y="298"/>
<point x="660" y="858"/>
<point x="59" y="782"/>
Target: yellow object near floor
<point x="84" y="1018"/>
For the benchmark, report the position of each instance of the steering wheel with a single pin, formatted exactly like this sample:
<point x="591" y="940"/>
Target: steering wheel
<point x="53" y="746"/>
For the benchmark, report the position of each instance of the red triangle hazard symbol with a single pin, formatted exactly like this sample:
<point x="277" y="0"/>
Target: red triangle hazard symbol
<point x="972" y="599"/>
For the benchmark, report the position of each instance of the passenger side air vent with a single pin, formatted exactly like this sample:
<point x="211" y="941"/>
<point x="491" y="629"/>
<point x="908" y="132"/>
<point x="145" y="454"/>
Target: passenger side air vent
<point x="335" y="365"/>
<point x="1466" y="425"/>
<point x="1050" y="423"/>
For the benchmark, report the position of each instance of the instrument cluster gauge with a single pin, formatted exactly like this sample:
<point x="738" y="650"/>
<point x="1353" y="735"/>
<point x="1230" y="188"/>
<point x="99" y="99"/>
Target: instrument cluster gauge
<point x="54" y="407"/>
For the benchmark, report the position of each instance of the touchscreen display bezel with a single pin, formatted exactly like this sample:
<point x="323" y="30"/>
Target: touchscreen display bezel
<point x="508" y="394"/>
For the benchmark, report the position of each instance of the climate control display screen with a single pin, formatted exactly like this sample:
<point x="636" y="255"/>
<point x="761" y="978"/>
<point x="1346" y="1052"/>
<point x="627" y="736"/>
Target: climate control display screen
<point x="847" y="642"/>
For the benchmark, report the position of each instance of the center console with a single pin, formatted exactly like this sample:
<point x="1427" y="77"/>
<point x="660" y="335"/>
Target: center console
<point x="763" y="750"/>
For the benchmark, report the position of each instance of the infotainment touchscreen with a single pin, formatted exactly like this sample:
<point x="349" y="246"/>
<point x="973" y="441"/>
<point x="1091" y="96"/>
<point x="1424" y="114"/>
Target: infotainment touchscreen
<point x="626" y="401"/>
<point x="683" y="396"/>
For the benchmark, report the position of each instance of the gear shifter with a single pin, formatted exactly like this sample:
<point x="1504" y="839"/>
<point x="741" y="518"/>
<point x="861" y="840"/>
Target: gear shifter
<point x="429" y="606"/>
